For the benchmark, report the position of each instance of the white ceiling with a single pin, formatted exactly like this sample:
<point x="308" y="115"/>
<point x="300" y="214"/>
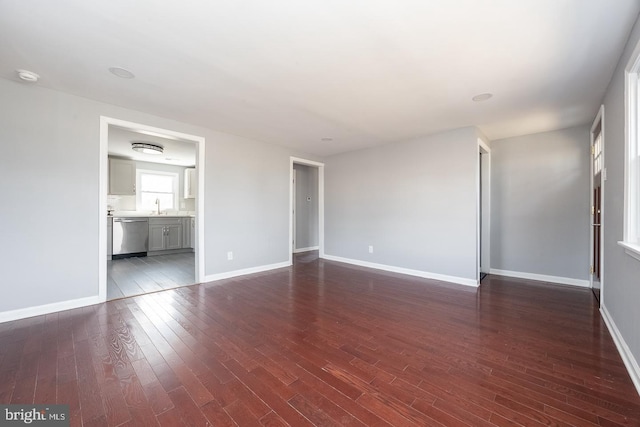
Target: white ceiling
<point x="363" y="72"/>
<point x="176" y="152"/>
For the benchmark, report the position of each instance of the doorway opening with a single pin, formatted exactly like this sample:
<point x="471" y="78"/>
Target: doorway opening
<point x="151" y="208"/>
<point x="598" y="174"/>
<point x="484" y="210"/>
<point x="306" y="209"/>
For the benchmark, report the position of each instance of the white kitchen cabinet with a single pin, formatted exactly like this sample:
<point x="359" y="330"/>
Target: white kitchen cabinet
<point x="190" y="183"/>
<point x="165" y="233"/>
<point x="122" y="177"/>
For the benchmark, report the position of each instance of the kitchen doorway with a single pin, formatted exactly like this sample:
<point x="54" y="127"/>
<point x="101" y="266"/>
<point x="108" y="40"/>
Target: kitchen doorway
<point x="157" y="187"/>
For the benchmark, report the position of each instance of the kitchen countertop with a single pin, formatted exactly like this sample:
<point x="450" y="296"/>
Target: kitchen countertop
<point x="143" y="215"/>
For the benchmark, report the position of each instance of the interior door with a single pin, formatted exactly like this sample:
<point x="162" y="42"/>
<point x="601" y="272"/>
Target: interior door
<point x="597" y="178"/>
<point x="597" y="235"/>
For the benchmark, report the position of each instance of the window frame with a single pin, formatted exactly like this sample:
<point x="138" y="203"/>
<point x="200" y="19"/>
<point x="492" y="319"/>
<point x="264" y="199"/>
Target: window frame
<point x="631" y="231"/>
<point x="140" y="190"/>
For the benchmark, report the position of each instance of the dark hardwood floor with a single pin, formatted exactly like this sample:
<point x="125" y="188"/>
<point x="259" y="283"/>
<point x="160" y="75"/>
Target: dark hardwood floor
<point x="325" y="344"/>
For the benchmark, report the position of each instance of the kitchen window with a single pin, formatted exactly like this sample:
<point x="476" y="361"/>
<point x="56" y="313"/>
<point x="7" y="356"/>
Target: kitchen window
<point x="154" y="186"/>
<point x="631" y="234"/>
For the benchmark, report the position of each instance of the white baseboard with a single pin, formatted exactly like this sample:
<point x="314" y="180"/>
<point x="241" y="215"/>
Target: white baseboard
<point x="627" y="357"/>
<point x="410" y="272"/>
<point x="541" y="277"/>
<point x="39" y="310"/>
<point x="311" y="248"/>
<point x="236" y="273"/>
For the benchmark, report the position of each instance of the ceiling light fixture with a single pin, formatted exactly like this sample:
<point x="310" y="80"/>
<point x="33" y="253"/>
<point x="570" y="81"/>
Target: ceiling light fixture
<point x="482" y="97"/>
<point x="27" y="76"/>
<point x="121" y="72"/>
<point x="147" y="147"/>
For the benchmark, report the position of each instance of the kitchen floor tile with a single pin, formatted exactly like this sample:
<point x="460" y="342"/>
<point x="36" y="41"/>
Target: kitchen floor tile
<point x="135" y="276"/>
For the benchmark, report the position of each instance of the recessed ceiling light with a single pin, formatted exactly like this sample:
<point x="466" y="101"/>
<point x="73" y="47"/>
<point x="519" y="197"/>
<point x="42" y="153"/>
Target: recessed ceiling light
<point x="482" y="97"/>
<point x="147" y="147"/>
<point x="27" y="76"/>
<point x="121" y="72"/>
<point x="326" y="139"/>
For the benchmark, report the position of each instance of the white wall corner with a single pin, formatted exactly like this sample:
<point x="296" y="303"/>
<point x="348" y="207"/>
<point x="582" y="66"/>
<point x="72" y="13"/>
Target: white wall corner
<point x="418" y="273"/>
<point x="541" y="277"/>
<point x="629" y="361"/>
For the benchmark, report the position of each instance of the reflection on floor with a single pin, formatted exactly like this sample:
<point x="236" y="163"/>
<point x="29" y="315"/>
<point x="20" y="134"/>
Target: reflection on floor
<point x="135" y="276"/>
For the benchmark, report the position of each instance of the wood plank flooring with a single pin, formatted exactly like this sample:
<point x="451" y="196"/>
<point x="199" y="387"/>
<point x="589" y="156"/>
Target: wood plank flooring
<point x="127" y="277"/>
<point x="326" y="344"/>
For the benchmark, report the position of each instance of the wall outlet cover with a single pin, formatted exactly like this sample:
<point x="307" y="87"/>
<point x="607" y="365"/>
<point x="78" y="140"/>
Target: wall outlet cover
<point x="229" y="255"/>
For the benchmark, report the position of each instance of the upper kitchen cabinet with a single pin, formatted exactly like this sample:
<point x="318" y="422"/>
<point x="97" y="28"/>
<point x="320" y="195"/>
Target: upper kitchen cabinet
<point x="190" y="183"/>
<point x="122" y="177"/>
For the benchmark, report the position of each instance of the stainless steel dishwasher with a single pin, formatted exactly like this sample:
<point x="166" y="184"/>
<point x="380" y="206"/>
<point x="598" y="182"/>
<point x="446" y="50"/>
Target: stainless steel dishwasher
<point x="130" y="237"/>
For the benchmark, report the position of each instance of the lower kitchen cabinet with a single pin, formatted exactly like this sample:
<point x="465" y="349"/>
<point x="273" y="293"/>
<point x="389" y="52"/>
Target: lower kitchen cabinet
<point x="186" y="232"/>
<point x="193" y="233"/>
<point x="165" y="233"/>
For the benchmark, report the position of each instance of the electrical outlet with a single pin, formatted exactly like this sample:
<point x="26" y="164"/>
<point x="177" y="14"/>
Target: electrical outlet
<point x="229" y="255"/>
<point x="370" y="249"/>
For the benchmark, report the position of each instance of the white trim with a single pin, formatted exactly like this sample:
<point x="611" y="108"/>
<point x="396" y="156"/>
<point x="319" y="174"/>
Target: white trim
<point x="631" y="249"/>
<point x="631" y="215"/>
<point x="407" y="271"/>
<point x="245" y="271"/>
<point x="103" y="185"/>
<point x="294" y="208"/>
<point x="598" y="120"/>
<point x="105" y="122"/>
<point x="483" y="145"/>
<point x="541" y="277"/>
<point x="625" y="353"/>
<point x="300" y="250"/>
<point x="23" y="313"/>
<point x="485" y="227"/>
<point x="320" y="167"/>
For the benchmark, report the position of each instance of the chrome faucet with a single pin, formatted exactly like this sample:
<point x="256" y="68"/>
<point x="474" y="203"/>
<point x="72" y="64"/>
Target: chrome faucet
<point x="158" y="203"/>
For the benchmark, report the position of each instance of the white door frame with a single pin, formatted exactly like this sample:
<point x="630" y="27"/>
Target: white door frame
<point x="485" y="227"/>
<point x="105" y="122"/>
<point x="294" y="211"/>
<point x="603" y="177"/>
<point x="320" y="167"/>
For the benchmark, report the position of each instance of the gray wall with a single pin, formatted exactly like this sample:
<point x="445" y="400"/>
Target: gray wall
<point x="621" y="273"/>
<point x="306" y="210"/>
<point x="540" y="203"/>
<point x="414" y="201"/>
<point x="49" y="181"/>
